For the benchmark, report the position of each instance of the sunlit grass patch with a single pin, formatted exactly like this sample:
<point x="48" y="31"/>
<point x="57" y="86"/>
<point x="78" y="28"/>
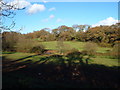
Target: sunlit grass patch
<point x="74" y="44"/>
<point x="105" y="61"/>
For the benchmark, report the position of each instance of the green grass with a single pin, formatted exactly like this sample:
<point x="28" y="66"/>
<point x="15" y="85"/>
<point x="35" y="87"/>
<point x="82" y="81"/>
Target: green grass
<point x="73" y="44"/>
<point x="103" y="49"/>
<point x="50" y="45"/>
<point x="24" y="56"/>
<point x="104" y="61"/>
<point x="16" y="55"/>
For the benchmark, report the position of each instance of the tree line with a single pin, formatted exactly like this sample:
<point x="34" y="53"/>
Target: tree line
<point x="104" y="35"/>
<point x="107" y="36"/>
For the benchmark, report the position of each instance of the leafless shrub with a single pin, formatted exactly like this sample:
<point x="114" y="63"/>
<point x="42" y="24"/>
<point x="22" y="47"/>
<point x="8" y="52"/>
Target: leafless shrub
<point x="90" y="48"/>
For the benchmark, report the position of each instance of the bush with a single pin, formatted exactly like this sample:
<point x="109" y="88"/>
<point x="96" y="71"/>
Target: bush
<point x="103" y="44"/>
<point x="115" y="53"/>
<point x="90" y="49"/>
<point x="73" y="54"/>
<point x="29" y="46"/>
<point x="8" y="46"/>
<point x="25" y="45"/>
<point x="38" y="49"/>
<point x="72" y="50"/>
<point x="62" y="48"/>
<point x="9" y="40"/>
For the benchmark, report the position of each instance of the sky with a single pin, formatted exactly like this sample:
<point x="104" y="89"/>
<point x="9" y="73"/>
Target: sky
<point x="45" y="14"/>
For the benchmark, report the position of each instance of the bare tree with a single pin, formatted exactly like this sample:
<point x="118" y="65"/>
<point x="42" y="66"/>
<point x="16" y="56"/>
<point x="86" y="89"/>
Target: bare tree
<point x="7" y="11"/>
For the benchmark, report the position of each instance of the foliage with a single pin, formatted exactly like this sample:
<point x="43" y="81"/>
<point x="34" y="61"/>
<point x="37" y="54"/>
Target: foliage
<point x="103" y="44"/>
<point x="115" y="53"/>
<point x="9" y="40"/>
<point x="24" y="45"/>
<point x="38" y="49"/>
<point x="28" y="45"/>
<point x="105" y="36"/>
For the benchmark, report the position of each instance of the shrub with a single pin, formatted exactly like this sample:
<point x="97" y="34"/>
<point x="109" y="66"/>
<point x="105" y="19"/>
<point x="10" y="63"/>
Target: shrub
<point x="29" y="45"/>
<point x="103" y="44"/>
<point x="24" y="45"/>
<point x="62" y="48"/>
<point x="74" y="54"/>
<point x="38" y="49"/>
<point x="115" y="53"/>
<point x="8" y="46"/>
<point x="90" y="49"/>
<point x="72" y="50"/>
<point x="9" y="40"/>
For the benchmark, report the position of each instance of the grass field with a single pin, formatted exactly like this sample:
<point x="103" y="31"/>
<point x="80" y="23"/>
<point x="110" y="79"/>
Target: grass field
<point x="103" y="60"/>
<point x="73" y="44"/>
<point x="37" y="71"/>
<point x="30" y="70"/>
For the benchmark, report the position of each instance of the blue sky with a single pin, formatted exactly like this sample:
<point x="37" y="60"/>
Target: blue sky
<point x="54" y="14"/>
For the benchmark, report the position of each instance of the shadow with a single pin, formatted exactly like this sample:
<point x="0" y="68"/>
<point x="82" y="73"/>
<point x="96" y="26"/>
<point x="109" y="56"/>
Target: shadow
<point x="8" y="66"/>
<point x="13" y="61"/>
<point x="74" y="56"/>
<point x="14" y="65"/>
<point x="56" y="71"/>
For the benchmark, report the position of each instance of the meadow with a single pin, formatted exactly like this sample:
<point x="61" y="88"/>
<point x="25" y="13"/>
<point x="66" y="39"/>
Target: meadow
<point x="51" y="45"/>
<point x="73" y="44"/>
<point x="31" y="70"/>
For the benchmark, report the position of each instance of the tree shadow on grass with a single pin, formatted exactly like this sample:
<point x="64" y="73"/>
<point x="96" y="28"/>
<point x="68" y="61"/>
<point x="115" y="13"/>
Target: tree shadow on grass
<point x="53" y="72"/>
<point x="13" y="61"/>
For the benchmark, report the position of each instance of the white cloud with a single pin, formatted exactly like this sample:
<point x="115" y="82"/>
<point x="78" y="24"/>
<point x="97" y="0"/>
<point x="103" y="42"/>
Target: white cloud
<point x="59" y="20"/>
<point x="108" y="21"/>
<point x="52" y="9"/>
<point x="44" y="1"/>
<point x="19" y="3"/>
<point x="36" y="8"/>
<point x="51" y="16"/>
<point x="31" y="8"/>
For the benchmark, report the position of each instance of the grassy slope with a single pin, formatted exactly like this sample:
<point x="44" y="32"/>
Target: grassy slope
<point x="52" y="45"/>
<point x="72" y="44"/>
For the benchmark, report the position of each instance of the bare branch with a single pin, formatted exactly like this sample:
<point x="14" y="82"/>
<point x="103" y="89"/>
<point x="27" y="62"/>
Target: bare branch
<point x="7" y="10"/>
